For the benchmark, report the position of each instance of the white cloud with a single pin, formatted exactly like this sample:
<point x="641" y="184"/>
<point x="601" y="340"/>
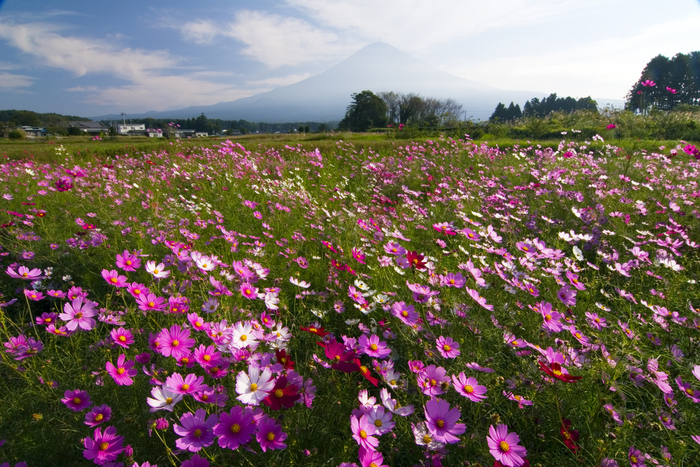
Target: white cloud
<point x="151" y="80"/>
<point x="277" y="41"/>
<point x="11" y="81"/>
<point x="200" y="31"/>
<point x="415" y="25"/>
<point x="281" y="81"/>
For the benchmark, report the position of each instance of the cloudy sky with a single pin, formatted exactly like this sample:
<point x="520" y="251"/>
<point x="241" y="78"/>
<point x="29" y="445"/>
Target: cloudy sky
<point x="92" y="57"/>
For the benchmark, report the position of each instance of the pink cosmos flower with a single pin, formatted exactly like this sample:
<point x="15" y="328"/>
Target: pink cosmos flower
<point x="504" y="446"/>
<point x="611" y="126"/>
<point x="362" y="431"/>
<point x="567" y="296"/>
<point x="113" y="278"/>
<point x="34" y="295"/>
<point x="190" y="384"/>
<point x="270" y="434"/>
<point x="123" y="372"/>
<point x="122" y="337"/>
<point x="196" y="430"/>
<point x="128" y="261"/>
<point x="447" y="347"/>
<point x="175" y="342"/>
<point x="98" y="414"/>
<point x="479" y="299"/>
<point x="137" y="289"/>
<point x="248" y="291"/>
<point x="442" y="421"/>
<point x="373" y="347"/>
<point x="454" y="280"/>
<point x="381" y="419"/>
<point x="150" y="302"/>
<point x="23" y="272"/>
<point x="371" y="458"/>
<point x="103" y="447"/>
<point x="235" y="428"/>
<point x="433" y="380"/>
<point x="469" y="387"/>
<point x="636" y="457"/>
<point x="76" y="400"/>
<point x="79" y="314"/>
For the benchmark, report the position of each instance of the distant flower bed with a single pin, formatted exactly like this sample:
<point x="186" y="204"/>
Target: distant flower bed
<point x="442" y="303"/>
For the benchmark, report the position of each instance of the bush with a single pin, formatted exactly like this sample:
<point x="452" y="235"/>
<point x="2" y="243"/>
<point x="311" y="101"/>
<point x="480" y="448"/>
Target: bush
<point x="17" y="134"/>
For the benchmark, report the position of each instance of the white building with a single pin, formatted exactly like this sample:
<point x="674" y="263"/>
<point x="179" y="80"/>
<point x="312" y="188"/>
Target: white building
<point x="126" y="128"/>
<point x="154" y="133"/>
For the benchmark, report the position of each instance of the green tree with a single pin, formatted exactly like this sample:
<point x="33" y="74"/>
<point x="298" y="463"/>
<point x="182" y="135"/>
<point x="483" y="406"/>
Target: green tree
<point x="366" y="111"/>
<point x="676" y="81"/>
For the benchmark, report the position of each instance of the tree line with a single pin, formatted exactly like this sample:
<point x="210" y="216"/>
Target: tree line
<point x="541" y="108"/>
<point x="666" y="84"/>
<point x="369" y="110"/>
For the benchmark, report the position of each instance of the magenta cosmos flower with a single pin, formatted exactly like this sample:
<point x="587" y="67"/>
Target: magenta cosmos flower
<point x="373" y="347"/>
<point x="79" y="314"/>
<point x="270" y="434"/>
<point x="235" y="428"/>
<point x="122" y="337"/>
<point x="103" y="447"/>
<point x="175" y="342"/>
<point x="76" y="400"/>
<point x="189" y="385"/>
<point x="128" y="261"/>
<point x="362" y="431"/>
<point x="113" y="278"/>
<point x="442" y="421"/>
<point x="123" y="371"/>
<point x="504" y="446"/>
<point x="469" y="387"/>
<point x="447" y="347"/>
<point x="196" y="430"/>
<point x="98" y="414"/>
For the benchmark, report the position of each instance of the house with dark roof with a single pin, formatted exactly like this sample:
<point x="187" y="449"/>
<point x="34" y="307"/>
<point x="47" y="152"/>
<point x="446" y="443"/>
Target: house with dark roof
<point x="90" y="127"/>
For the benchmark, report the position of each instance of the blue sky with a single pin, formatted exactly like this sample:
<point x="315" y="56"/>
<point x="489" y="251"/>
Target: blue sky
<point x="93" y="57"/>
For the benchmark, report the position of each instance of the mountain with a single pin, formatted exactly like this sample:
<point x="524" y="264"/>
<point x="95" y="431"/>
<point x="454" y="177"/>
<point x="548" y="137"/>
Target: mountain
<point x="377" y="67"/>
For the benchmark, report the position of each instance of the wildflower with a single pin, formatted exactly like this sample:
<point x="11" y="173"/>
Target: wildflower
<point x="364" y="371"/>
<point x="79" y="314"/>
<point x="248" y="291"/>
<point x="469" y="387"/>
<point x="636" y="457"/>
<point x="362" y="431"/>
<point x="416" y="260"/>
<point x="431" y="379"/>
<point x="570" y="436"/>
<point x="442" y="421"/>
<point x="423" y="437"/>
<point x="270" y="434"/>
<point x="150" y="302"/>
<point x="319" y="331"/>
<point x="479" y="299"/>
<point x="190" y="384"/>
<point x="196" y="430"/>
<point x="611" y="126"/>
<point x="113" y="278"/>
<point x="122" y="337"/>
<point x="98" y="414"/>
<point x="281" y="395"/>
<point x="103" y="447"/>
<point x="504" y="446"/>
<point x="242" y="336"/>
<point x="254" y="386"/>
<point x="235" y="428"/>
<point x="555" y="370"/>
<point x="158" y="270"/>
<point x="567" y="296"/>
<point x="447" y="347"/>
<point x="373" y="347"/>
<point x="76" y="400"/>
<point x="175" y="342"/>
<point x="164" y="398"/>
<point x="342" y="359"/>
<point x="123" y="372"/>
<point x="128" y="261"/>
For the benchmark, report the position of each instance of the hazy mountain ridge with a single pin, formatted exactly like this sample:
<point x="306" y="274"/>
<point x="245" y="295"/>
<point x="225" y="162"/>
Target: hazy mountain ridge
<point x="324" y="97"/>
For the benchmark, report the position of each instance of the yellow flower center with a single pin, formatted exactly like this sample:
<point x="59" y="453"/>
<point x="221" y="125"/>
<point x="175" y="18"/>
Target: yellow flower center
<point x="206" y="358"/>
<point x="270" y="436"/>
<point x="446" y="348"/>
<point x="427" y="439"/>
<point x="151" y="304"/>
<point x="364" y="369"/>
<point x="279" y="393"/>
<point x="79" y="315"/>
<point x="185" y="387"/>
<point x="99" y="417"/>
<point x="122" y="338"/>
<point x="47" y="320"/>
<point x="235" y="428"/>
<point x="373" y="347"/>
<point x="690" y="392"/>
<point x="547" y="317"/>
<point x="440" y="423"/>
<point x="120" y="371"/>
<point x="104" y="445"/>
<point x="76" y="400"/>
<point x="128" y="262"/>
<point x="468" y="389"/>
<point x="253" y="387"/>
<point x="404" y="313"/>
<point x="155" y="271"/>
<point x="114" y="280"/>
<point x="363" y="434"/>
<point x="197" y="433"/>
<point x="169" y="400"/>
<point x="175" y="343"/>
<point x="633" y="459"/>
<point x="504" y="446"/>
<point x="377" y="423"/>
<point x="244" y="337"/>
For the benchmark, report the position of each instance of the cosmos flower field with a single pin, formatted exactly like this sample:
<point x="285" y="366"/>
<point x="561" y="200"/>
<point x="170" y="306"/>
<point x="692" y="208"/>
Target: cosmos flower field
<point x="437" y="303"/>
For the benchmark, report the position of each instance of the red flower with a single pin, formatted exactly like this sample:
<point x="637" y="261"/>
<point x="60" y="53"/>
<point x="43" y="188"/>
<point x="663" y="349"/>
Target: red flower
<point x="284" y="360"/>
<point x="366" y="373"/>
<point x="555" y="370"/>
<point x="282" y="395"/>
<point x="570" y="436"/>
<point x="341" y="359"/>
<point x="415" y="260"/>
<point x="314" y="330"/>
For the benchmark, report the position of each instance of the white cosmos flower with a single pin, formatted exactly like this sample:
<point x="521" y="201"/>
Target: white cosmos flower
<point x="253" y="387"/>
<point x="163" y="399"/>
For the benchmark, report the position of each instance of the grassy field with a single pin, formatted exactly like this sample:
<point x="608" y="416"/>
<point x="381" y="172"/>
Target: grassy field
<point x="396" y="302"/>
